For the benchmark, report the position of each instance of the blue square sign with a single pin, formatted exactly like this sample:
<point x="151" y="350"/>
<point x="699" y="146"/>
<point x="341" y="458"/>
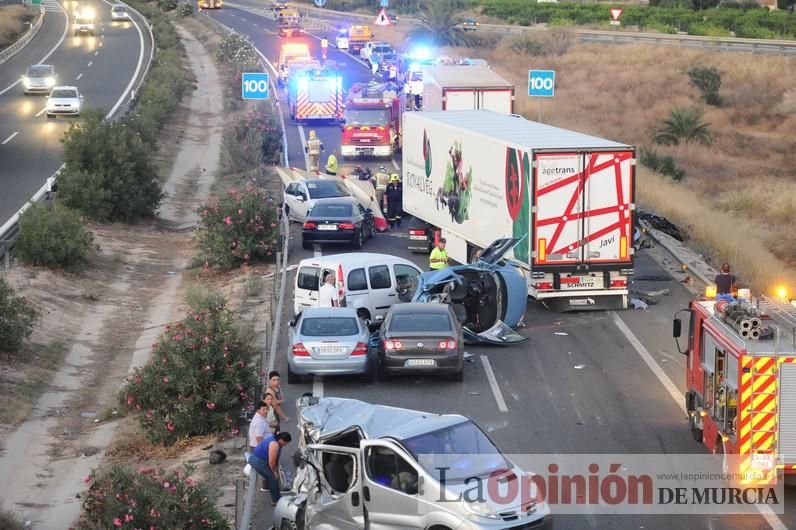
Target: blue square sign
<point x="255" y="85"/>
<point x="541" y="83"/>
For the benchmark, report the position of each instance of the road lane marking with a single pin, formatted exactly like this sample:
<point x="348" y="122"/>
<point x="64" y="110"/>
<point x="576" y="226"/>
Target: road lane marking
<point x="79" y="76"/>
<point x="9" y="138"/>
<point x="96" y="53"/>
<point x="317" y="252"/>
<point x="765" y="511"/>
<point x="42" y="111"/>
<point x="137" y="67"/>
<point x="90" y="63"/>
<point x="317" y="387"/>
<point x="395" y="164"/>
<point x="490" y="376"/>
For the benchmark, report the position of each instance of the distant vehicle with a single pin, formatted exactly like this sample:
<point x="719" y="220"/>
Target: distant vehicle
<point x="466" y="87"/>
<point x="371" y="283"/>
<point x="299" y="197"/>
<point x="64" y="100"/>
<point x="469" y="24"/>
<point x="288" y="53"/>
<point x="341" y="220"/>
<point x="364" y="462"/>
<point x="289" y="22"/>
<point x="84" y="26"/>
<point x="358" y="36"/>
<point x="393" y="18"/>
<point x="341" y="41"/>
<point x="488" y="297"/>
<point x="329" y="341"/>
<point x="119" y="12"/>
<point x="375" y="48"/>
<point x="39" y="78"/>
<point x="210" y="4"/>
<point x="425" y="338"/>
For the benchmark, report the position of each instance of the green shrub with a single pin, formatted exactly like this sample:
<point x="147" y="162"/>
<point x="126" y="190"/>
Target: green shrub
<point x="167" y="5"/>
<point x="526" y="45"/>
<point x="53" y="235"/>
<point x="661" y="28"/>
<point x="199" y="379"/>
<point x="17" y="318"/>
<point x="708" y="30"/>
<point x="185" y="9"/>
<point x="240" y="228"/>
<point x="684" y="125"/>
<point x="253" y="141"/>
<point x="120" y="497"/>
<point x="664" y="165"/>
<point x="9" y="521"/>
<point x="237" y="51"/>
<point x="708" y="82"/>
<point x="559" y="22"/>
<point x="109" y="173"/>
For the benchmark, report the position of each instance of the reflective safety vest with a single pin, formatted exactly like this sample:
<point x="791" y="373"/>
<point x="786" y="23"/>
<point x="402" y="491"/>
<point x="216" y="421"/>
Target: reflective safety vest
<point x="314" y="147"/>
<point x="438" y="258"/>
<point x="381" y="181"/>
<point x="331" y="164"/>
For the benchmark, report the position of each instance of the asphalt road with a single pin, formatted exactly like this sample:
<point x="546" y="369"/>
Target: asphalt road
<point x="104" y="68"/>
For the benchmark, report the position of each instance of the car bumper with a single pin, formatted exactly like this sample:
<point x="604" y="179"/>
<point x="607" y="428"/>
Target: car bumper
<point x="309" y="366"/>
<point x="119" y="18"/>
<point x="444" y="363"/>
<point x="84" y="30"/>
<point x="337" y="236"/>
<point x="37" y="90"/>
<point x="366" y="150"/>
<point x="67" y="112"/>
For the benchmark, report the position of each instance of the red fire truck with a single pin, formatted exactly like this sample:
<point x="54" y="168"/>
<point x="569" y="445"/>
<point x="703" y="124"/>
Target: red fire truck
<point x="741" y="381"/>
<point x="314" y="93"/>
<point x="372" y="120"/>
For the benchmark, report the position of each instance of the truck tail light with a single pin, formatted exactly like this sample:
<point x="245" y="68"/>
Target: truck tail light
<point x="544" y="285"/>
<point x="310" y="226"/>
<point x="360" y="349"/>
<point x="618" y="283"/>
<point x="346" y="226"/>
<point x="381" y="128"/>
<point x="392" y="345"/>
<point x="449" y="344"/>
<point x="348" y="128"/>
<point x="417" y="232"/>
<point x="299" y="350"/>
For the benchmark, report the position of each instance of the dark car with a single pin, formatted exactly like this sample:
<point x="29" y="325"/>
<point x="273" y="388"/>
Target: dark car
<point x="393" y="18"/>
<point x="418" y="337"/>
<point x="341" y="220"/>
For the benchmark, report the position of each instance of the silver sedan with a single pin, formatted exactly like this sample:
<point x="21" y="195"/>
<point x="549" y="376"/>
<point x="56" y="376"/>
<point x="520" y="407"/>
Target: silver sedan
<point x="329" y="341"/>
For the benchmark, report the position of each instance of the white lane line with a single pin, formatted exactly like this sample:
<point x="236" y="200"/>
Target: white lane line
<point x="137" y="67"/>
<point x="395" y="164"/>
<point x="79" y="76"/>
<point x="765" y="511"/>
<point x="9" y="138"/>
<point x="316" y="251"/>
<point x="43" y="59"/>
<point x="42" y="111"/>
<point x="90" y="63"/>
<point x="96" y="53"/>
<point x="303" y="143"/>
<point x="490" y="376"/>
<point x="317" y="387"/>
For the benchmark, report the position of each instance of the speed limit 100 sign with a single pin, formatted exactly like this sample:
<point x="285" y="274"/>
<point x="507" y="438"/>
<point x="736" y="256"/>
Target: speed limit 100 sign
<point x="255" y="85"/>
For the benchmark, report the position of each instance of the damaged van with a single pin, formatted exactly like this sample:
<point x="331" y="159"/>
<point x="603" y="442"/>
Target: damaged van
<point x="365" y="466"/>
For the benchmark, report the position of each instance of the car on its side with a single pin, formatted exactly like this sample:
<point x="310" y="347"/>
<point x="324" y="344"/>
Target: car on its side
<point x="300" y="196"/>
<point x="329" y="341"/>
<point x="64" y="100"/>
<point x="341" y="220"/>
<point x="39" y="78"/>
<point x="418" y="337"/>
<point x="119" y="13"/>
<point x="84" y="25"/>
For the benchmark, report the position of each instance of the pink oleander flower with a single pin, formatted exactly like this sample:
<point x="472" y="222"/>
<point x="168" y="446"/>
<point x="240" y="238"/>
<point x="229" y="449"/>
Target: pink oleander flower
<point x="117" y="522"/>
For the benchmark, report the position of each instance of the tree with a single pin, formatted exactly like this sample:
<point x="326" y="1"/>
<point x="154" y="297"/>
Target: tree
<point x="685" y="125"/>
<point x="17" y="318"/>
<point x="439" y="21"/>
<point x="707" y="81"/>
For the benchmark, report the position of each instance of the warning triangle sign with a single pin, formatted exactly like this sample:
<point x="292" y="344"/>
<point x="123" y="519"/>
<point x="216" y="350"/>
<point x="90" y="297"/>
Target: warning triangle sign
<point x="382" y="19"/>
<point x="615" y="12"/>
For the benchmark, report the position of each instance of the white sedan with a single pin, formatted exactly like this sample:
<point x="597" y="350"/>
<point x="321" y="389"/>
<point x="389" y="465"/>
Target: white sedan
<point x="341" y="41"/>
<point x="65" y="100"/>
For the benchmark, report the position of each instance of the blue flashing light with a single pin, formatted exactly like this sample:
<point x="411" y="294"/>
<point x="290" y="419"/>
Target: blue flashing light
<point x="421" y="53"/>
<point x="302" y="82"/>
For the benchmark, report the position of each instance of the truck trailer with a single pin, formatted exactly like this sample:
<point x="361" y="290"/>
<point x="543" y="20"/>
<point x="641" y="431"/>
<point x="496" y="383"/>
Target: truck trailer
<point x="474" y="176"/>
<point x="466" y="87"/>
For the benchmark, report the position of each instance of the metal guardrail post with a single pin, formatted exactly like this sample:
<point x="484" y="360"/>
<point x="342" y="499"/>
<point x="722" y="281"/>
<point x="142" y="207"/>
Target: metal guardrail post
<point x="239" y="489"/>
<point x="247" y="507"/>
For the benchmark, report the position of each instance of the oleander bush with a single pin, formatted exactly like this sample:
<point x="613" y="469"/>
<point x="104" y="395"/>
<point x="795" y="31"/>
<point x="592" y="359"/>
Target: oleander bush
<point x="53" y="235"/>
<point x="252" y="141"/>
<point x="17" y="318"/>
<point x="237" y="52"/>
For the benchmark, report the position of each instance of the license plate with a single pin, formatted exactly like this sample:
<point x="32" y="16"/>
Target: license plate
<point x="329" y="349"/>
<point x="365" y="150"/>
<point x="417" y="238"/>
<point x="420" y="362"/>
<point x="583" y="282"/>
<point x="327" y="227"/>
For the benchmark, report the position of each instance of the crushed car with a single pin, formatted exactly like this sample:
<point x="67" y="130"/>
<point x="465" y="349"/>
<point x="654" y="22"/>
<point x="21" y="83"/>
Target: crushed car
<point x="361" y="465"/>
<point x="489" y="296"/>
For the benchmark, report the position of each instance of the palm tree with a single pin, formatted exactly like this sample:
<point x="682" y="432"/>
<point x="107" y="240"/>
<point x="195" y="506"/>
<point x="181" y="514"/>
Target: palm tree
<point x="685" y="125"/>
<point x="438" y="21"/>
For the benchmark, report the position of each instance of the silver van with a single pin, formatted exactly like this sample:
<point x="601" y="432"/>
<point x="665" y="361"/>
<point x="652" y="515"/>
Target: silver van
<point x="368" y="466"/>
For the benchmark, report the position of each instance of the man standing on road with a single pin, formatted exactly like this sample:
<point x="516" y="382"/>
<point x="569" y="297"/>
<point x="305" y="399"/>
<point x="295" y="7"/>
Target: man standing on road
<point x="725" y="282"/>
<point x="380" y="185"/>
<point x="327" y="294"/>
<point x="265" y="460"/>
<point x="324" y="47"/>
<point x="313" y="148"/>
<point x="331" y="165"/>
<point x="275" y="390"/>
<point x="395" y="197"/>
<point x="439" y="256"/>
<point x="259" y="426"/>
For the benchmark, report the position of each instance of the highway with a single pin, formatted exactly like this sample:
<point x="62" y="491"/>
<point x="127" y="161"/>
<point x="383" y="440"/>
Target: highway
<point x="591" y="382"/>
<point x="105" y="68"/>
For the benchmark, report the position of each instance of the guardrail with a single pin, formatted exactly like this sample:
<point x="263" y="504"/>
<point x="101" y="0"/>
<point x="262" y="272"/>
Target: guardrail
<point x="24" y="39"/>
<point x="9" y="231"/>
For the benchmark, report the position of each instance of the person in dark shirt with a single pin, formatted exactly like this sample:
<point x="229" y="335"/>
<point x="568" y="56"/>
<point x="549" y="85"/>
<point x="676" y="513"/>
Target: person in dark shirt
<point x="725" y="282"/>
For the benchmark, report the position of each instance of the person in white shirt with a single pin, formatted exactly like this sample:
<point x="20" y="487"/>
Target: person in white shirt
<point x="327" y="294"/>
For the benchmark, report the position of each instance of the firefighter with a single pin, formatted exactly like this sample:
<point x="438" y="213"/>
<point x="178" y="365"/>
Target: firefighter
<point x="394" y="194"/>
<point x="313" y="148"/>
<point x="380" y="185"/>
<point x="331" y="165"/>
<point x="324" y="47"/>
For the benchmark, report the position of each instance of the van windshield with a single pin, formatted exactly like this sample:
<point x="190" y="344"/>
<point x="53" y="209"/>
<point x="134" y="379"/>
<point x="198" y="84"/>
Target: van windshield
<point x="463" y="450"/>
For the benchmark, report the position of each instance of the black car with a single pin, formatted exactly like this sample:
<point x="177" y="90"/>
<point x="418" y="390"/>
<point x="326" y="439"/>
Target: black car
<point x="341" y="220"/>
<point x="417" y="337"/>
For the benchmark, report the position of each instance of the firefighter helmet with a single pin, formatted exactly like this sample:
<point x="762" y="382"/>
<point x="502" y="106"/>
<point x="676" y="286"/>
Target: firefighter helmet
<point x="312" y="134"/>
<point x="395" y="177"/>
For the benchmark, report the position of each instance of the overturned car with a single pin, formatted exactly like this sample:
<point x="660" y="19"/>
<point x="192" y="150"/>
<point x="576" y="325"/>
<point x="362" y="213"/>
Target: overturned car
<point x="488" y="296"/>
<point x="378" y="467"/>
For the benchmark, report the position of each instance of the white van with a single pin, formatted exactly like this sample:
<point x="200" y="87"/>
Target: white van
<point x="372" y="283"/>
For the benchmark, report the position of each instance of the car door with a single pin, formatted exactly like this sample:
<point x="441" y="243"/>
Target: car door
<point x="382" y="289"/>
<point x="307" y="285"/>
<point x="290" y="199"/>
<point x="302" y="201"/>
<point x="390" y="487"/>
<point x="405" y="280"/>
<point x="341" y="506"/>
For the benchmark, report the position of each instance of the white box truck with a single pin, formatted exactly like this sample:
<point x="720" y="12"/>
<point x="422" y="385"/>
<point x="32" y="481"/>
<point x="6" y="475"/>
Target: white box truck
<point x="466" y="87"/>
<point x="476" y="176"/>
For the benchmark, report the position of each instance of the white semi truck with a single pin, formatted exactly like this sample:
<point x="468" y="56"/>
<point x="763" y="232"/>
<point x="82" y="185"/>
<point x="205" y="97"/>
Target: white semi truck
<point x="474" y="176"/>
<point x="466" y="87"/>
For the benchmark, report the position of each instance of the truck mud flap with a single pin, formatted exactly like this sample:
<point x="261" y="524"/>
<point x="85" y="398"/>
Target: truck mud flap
<point x="574" y="302"/>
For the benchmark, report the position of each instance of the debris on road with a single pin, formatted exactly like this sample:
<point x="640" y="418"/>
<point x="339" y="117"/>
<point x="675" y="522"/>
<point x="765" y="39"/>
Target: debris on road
<point x="579" y="366"/>
<point x="637" y="303"/>
<point x="650" y="220"/>
<point x="561" y="333"/>
<point x="474" y="393"/>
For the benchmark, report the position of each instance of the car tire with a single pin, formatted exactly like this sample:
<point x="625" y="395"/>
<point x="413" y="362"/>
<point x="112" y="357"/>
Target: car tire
<point x="50" y="116"/>
<point x="292" y="377"/>
<point x="458" y="376"/>
<point x="359" y="238"/>
<point x="382" y="373"/>
<point x="306" y="245"/>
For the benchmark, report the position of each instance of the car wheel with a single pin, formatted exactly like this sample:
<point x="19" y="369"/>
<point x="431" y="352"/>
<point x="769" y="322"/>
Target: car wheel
<point x="696" y="432"/>
<point x="50" y="116"/>
<point x="292" y="377"/>
<point x="287" y="525"/>
<point x="359" y="238"/>
<point x="458" y="376"/>
<point x="306" y="245"/>
<point x="382" y="372"/>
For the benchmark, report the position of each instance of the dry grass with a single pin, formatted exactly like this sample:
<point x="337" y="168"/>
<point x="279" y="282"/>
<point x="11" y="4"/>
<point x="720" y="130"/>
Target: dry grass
<point x="11" y="18"/>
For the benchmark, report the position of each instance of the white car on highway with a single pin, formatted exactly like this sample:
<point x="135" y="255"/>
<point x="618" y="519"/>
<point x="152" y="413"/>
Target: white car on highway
<point x="375" y="47"/>
<point x="300" y="197"/>
<point x="119" y="13"/>
<point x="84" y="25"/>
<point x="39" y="78"/>
<point x="341" y="41"/>
<point x="65" y="100"/>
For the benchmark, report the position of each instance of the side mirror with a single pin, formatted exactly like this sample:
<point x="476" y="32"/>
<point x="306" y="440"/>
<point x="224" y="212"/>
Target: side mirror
<point x="379" y="318"/>
<point x="292" y="323"/>
<point x="677" y="328"/>
<point x="300" y="198"/>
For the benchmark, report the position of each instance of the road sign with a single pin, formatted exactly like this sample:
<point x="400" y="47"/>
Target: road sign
<point x="385" y="3"/>
<point x="616" y="13"/>
<point x="320" y="3"/>
<point x="255" y="85"/>
<point x="382" y="19"/>
<point x="541" y="83"/>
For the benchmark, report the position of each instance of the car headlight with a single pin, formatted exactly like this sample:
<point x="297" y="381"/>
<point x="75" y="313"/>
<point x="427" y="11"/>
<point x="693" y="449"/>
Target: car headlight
<point x="478" y="510"/>
<point x="26" y="82"/>
<point x="50" y="81"/>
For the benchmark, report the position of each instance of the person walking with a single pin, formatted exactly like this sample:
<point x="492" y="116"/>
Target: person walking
<point x="439" y="256"/>
<point x="265" y="460"/>
<point x="313" y="148"/>
<point x="380" y="185"/>
<point x="275" y="390"/>
<point x="331" y="165"/>
<point x="324" y="48"/>
<point x="725" y="281"/>
<point x="395" y="197"/>
<point x="327" y="294"/>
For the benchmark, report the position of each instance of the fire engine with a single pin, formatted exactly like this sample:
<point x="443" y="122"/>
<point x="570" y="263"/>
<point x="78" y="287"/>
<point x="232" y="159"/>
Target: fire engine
<point x="372" y="120"/>
<point x="741" y="382"/>
<point x="289" y="22"/>
<point x="315" y="93"/>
